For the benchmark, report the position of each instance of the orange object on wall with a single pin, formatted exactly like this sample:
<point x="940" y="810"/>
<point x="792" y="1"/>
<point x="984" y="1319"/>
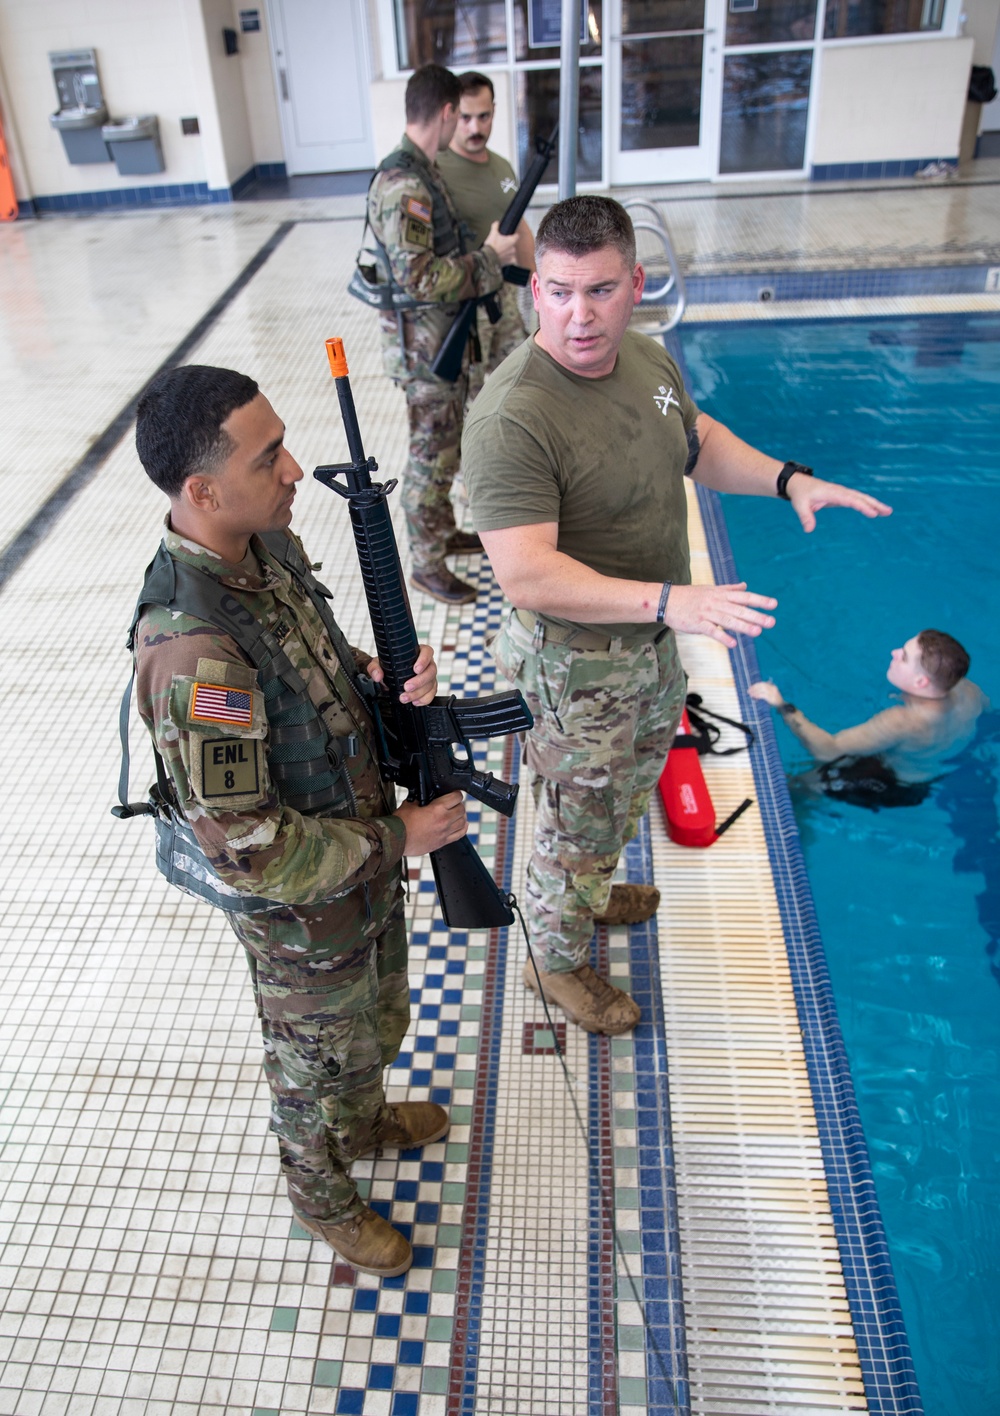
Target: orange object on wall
<point x="8" y="197"/>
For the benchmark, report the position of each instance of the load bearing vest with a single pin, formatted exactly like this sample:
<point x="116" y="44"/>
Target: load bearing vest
<point x="307" y="763"/>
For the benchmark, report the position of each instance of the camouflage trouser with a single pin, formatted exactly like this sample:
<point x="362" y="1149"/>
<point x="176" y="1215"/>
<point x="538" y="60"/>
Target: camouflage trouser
<point x="331" y="1022"/>
<point x="604" y="723"/>
<point x="434" y="410"/>
<point x="496" y="341"/>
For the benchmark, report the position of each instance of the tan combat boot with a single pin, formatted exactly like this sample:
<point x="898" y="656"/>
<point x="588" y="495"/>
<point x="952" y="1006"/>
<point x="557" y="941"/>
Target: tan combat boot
<point x="412" y="1123"/>
<point x="365" y="1240"/>
<point x="587" y="999"/>
<point x="630" y="904"/>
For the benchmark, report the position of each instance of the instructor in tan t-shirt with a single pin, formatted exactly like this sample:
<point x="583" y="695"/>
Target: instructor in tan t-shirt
<point x="574" y="457"/>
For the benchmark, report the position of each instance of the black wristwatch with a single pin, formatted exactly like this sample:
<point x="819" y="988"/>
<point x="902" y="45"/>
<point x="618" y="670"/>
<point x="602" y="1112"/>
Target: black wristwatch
<point x="787" y="709"/>
<point x="789" y="470"/>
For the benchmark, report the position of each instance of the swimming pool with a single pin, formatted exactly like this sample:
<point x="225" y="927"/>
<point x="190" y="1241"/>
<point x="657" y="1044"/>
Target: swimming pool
<point x="908" y="900"/>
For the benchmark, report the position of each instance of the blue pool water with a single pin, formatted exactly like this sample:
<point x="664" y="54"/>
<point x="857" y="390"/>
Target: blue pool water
<point x="908" y="899"/>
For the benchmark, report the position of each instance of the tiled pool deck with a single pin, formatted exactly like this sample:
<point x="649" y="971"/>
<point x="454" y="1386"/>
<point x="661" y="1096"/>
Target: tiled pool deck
<point x="150" y="1260"/>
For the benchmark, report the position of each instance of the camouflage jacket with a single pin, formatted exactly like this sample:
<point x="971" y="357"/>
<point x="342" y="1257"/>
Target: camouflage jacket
<point x="401" y="203"/>
<point x="184" y="667"/>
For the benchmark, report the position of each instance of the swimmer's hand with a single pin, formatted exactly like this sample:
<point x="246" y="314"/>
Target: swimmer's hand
<point x="768" y="692"/>
<point x="811" y="494"/>
<point x="714" y="609"/>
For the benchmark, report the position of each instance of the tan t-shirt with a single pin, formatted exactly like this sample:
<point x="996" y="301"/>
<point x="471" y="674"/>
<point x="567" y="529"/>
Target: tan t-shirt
<point x="482" y="191"/>
<point x="602" y="457"/>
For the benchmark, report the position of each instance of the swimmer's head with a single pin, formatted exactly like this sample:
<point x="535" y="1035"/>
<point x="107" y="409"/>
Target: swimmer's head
<point x="929" y="665"/>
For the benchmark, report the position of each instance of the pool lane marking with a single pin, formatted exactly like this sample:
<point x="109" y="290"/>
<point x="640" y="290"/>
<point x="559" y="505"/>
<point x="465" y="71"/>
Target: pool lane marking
<point x="662" y="1288"/>
<point x="602" y="1364"/>
<point x="876" y="1315"/>
<point x="34" y="532"/>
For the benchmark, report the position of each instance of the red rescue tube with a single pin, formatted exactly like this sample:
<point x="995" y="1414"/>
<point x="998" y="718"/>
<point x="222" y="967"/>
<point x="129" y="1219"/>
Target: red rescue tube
<point x="686" y="798"/>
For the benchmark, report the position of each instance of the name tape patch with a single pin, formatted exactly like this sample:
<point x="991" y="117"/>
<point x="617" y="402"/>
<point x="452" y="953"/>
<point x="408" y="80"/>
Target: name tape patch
<point x="229" y="767"/>
<point x="414" y="234"/>
<point x="215" y="703"/>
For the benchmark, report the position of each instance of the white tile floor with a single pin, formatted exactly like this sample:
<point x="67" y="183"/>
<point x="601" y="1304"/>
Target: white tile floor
<point x="150" y="1264"/>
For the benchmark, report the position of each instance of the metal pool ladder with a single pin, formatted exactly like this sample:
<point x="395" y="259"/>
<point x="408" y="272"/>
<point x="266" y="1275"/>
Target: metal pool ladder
<point x="673" y="280"/>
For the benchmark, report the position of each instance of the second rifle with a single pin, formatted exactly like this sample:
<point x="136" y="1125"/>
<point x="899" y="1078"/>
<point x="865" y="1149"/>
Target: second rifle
<point x="447" y="363"/>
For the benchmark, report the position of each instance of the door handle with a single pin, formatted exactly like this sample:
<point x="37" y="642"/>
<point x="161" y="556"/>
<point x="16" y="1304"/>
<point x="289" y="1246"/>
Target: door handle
<point x="283" y="81"/>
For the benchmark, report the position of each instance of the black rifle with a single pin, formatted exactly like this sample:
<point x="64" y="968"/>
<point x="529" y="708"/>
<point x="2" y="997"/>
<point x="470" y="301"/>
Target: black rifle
<point x="447" y="363"/>
<point x="424" y="749"/>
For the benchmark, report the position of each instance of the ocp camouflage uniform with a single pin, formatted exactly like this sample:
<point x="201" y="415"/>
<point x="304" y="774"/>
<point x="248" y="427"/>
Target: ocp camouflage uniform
<point x="328" y="963"/>
<point x="604" y="459"/>
<point x="604" y="722"/>
<point x="415" y="221"/>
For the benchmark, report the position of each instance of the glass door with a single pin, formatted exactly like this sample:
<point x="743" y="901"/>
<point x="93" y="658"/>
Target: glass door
<point x="767" y="80"/>
<point x="665" y="77"/>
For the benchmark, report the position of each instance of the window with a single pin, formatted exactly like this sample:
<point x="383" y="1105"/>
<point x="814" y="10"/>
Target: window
<point x="765" y="103"/>
<point x="845" y="18"/>
<point x="770" y="21"/>
<point x="460" y="34"/>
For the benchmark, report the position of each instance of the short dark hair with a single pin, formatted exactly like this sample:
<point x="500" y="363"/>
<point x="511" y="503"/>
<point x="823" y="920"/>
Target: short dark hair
<point x="944" y="660"/>
<point x="429" y="89"/>
<point x="178" y="426"/>
<point x="581" y="225"/>
<point x="472" y="82"/>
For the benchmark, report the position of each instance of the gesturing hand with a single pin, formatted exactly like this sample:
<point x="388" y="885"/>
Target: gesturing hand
<point x="714" y="609"/>
<point x="811" y="494"/>
<point x="434" y="825"/>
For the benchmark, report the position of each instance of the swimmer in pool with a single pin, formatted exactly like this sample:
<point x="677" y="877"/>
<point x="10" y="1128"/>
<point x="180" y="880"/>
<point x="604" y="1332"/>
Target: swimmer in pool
<point x="892" y="758"/>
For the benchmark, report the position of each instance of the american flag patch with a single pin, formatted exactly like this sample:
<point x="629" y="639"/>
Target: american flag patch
<point x="214" y="703"/>
<point x="413" y="207"/>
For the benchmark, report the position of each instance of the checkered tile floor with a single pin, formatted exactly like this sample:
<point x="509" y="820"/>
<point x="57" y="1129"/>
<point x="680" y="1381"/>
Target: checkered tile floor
<point x="150" y="1263"/>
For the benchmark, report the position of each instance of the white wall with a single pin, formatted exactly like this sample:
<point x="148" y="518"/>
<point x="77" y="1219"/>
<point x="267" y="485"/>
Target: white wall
<point x="153" y="56"/>
<point x="258" y="86"/>
<point x="144" y="67"/>
<point x="891" y="101"/>
<point x="222" y="88"/>
<point x="980" y="20"/>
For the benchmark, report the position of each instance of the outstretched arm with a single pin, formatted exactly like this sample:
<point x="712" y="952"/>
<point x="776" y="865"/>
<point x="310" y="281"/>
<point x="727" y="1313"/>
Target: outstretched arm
<point x="535" y="575"/>
<point x="727" y="464"/>
<point x="878" y="734"/>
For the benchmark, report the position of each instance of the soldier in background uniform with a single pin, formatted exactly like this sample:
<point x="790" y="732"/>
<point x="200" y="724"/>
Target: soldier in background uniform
<point x="284" y="794"/>
<point x="482" y="184"/>
<point x="420" y="236"/>
<point x="574" y="460"/>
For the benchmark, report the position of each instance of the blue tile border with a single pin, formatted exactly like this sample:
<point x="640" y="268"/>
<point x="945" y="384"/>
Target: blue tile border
<point x="875" y="171"/>
<point x="662" y="1288"/>
<point x="776" y="286"/>
<point x="884" y="1351"/>
<point x="135" y="198"/>
<point x="166" y="195"/>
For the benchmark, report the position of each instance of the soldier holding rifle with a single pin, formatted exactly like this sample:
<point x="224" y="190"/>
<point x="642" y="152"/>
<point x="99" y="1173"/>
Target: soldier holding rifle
<point x="274" y="772"/>
<point x="424" y="261"/>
